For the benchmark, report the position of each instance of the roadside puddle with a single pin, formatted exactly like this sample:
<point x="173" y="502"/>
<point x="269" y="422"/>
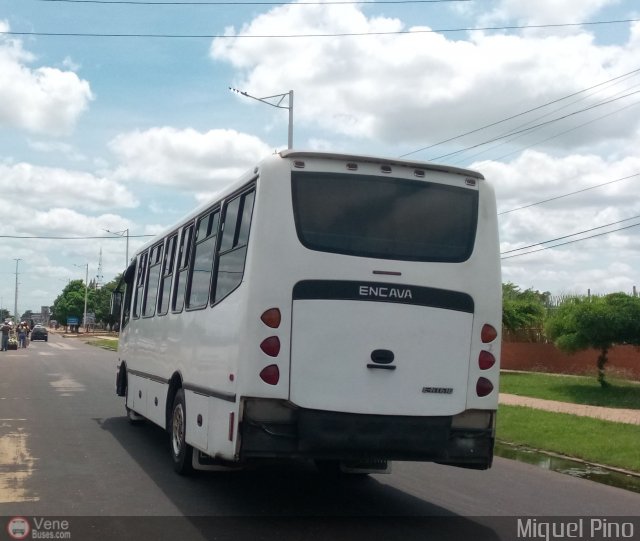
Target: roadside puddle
<point x="17" y="464"/>
<point x="568" y="466"/>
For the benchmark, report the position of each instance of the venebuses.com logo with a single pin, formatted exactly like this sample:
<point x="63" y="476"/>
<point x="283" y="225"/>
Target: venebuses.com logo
<point x="38" y="528"/>
<point x="18" y="528"/>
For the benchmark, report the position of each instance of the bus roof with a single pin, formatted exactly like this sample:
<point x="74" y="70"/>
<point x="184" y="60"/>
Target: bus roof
<point x="384" y="161"/>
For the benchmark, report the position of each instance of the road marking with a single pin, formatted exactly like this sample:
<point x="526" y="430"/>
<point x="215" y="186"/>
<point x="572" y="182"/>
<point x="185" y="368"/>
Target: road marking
<point x="16" y="468"/>
<point x="61" y="346"/>
<point x="66" y="385"/>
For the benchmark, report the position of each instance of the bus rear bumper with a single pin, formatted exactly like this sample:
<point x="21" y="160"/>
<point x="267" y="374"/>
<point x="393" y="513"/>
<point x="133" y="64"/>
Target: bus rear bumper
<point x="326" y="435"/>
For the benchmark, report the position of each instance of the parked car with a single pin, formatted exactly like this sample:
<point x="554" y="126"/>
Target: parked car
<point x="40" y="333"/>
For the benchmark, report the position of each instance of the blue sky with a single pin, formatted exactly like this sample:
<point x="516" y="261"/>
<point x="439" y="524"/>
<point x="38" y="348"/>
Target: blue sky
<point x="112" y="133"/>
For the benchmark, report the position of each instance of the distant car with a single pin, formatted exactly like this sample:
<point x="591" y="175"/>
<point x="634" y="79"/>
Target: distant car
<point x="40" y="333"/>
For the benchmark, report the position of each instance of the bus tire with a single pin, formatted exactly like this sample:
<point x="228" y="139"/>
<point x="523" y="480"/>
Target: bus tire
<point x="181" y="451"/>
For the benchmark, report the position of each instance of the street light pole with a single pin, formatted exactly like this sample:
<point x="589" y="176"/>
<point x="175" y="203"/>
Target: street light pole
<point x="124" y="233"/>
<point x="15" y="306"/>
<point x="278" y="104"/>
<point x="86" y="292"/>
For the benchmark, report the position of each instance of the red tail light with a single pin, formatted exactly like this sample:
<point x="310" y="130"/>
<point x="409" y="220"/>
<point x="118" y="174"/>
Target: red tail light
<point x="270" y="374"/>
<point x="271" y="346"/>
<point x="483" y="387"/>
<point x="486" y="360"/>
<point x="488" y="333"/>
<point x="271" y="318"/>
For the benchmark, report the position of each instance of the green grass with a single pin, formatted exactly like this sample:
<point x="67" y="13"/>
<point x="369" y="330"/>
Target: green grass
<point x="104" y="343"/>
<point x="575" y="389"/>
<point x="593" y="440"/>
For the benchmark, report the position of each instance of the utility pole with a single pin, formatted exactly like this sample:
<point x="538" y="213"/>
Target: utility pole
<point x="278" y="104"/>
<point x="15" y="306"/>
<point x="86" y="292"/>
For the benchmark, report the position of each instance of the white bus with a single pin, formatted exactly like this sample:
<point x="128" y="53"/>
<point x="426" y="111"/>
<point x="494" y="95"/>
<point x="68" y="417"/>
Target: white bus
<point x="336" y="308"/>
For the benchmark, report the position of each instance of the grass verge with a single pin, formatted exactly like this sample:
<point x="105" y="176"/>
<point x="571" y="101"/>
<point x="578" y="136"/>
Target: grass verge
<point x="104" y="343"/>
<point x="576" y="389"/>
<point x="580" y="437"/>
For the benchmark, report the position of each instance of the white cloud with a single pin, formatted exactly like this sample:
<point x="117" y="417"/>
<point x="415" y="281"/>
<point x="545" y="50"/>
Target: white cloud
<point x="38" y="100"/>
<point x="418" y="88"/>
<point x="603" y="264"/>
<point x="27" y="184"/>
<point x="186" y="159"/>
<point x="545" y="11"/>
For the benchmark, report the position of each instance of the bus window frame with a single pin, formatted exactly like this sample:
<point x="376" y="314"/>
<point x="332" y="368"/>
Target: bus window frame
<point x="151" y="265"/>
<point x="171" y="244"/>
<point x="210" y="213"/>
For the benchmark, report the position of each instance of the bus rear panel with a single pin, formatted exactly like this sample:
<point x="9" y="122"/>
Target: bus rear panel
<point x="389" y="280"/>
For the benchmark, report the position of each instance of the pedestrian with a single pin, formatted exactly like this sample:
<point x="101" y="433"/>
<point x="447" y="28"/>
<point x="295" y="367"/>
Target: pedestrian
<point x="5" y="330"/>
<point x="22" y="336"/>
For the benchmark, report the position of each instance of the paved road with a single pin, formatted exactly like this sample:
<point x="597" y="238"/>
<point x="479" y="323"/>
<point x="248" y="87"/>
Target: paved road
<point x="67" y="450"/>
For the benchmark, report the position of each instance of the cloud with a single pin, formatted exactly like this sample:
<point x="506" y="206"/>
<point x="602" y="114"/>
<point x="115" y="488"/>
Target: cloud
<point x="46" y="187"/>
<point x="412" y="89"/>
<point x="186" y="159"/>
<point x="545" y="11"/>
<point x="42" y="100"/>
<point x="603" y="264"/>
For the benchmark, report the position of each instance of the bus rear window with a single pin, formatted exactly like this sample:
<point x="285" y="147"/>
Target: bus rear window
<point x="386" y="218"/>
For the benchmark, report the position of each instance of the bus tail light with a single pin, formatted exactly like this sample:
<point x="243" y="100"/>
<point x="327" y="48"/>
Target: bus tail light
<point x="486" y="360"/>
<point x="271" y="318"/>
<point x="483" y="387"/>
<point x="488" y="333"/>
<point x="270" y="374"/>
<point x="271" y="346"/>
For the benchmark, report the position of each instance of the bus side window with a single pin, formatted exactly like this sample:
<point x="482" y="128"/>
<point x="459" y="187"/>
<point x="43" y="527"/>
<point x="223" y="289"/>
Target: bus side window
<point x="142" y="272"/>
<point x="203" y="258"/>
<point x="129" y="280"/>
<point x="183" y="268"/>
<point x="151" y="289"/>
<point x="167" y="274"/>
<point x="233" y="247"/>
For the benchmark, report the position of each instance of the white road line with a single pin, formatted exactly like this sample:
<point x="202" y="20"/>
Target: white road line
<point x="61" y="346"/>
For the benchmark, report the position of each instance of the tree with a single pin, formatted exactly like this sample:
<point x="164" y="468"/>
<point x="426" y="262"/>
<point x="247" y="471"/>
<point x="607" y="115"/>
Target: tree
<point x="70" y="302"/>
<point x="595" y="322"/>
<point x="102" y="302"/>
<point x="522" y="309"/>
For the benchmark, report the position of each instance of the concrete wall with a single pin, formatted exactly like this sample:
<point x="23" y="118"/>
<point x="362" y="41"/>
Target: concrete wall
<point x="623" y="361"/>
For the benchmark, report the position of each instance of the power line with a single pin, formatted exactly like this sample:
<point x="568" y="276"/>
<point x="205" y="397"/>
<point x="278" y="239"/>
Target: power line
<point x="571" y="235"/>
<point x="519" y="114"/>
<point x="140" y="3"/>
<point x="66" y="238"/>
<point x="290" y="36"/>
<point x="572" y="241"/>
<point x="559" y="134"/>
<point x="535" y="126"/>
<point x="568" y="194"/>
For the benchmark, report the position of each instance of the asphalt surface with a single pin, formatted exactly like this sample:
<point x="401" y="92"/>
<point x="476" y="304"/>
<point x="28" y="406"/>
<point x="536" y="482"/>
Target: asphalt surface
<point x="67" y="450"/>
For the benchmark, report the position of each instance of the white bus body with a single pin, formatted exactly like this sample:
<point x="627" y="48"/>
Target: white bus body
<point x="339" y="308"/>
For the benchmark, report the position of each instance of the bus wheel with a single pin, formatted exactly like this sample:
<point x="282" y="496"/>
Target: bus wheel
<point x="181" y="451"/>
